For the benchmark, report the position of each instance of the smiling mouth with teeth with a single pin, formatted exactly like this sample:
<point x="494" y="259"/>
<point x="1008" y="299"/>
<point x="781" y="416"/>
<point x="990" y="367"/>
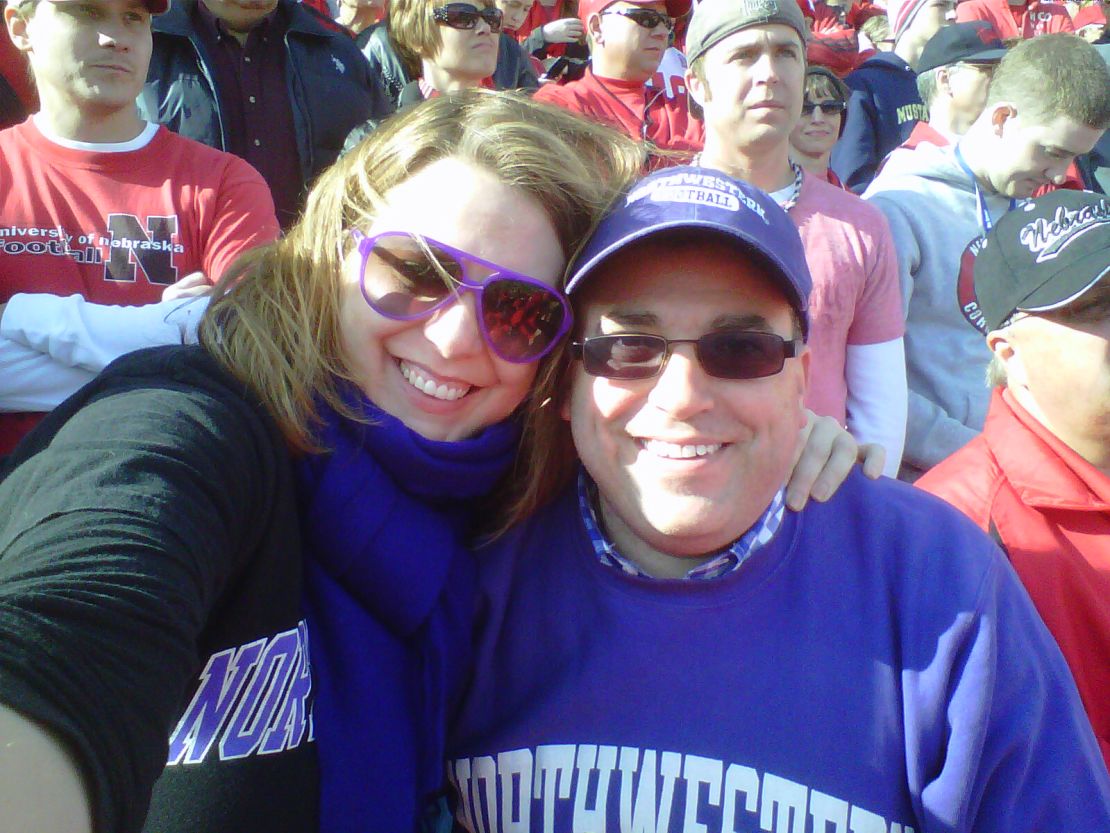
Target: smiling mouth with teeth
<point x="430" y="388"/>
<point x="676" y="451"/>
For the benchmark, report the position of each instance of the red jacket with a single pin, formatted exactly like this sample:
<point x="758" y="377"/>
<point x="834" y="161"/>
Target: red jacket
<point x="1052" y="512"/>
<point x="1035" y="18"/>
<point x="632" y="108"/>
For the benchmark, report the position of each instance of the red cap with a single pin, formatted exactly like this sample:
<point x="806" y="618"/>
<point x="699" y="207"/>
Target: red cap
<point x="1089" y="15"/>
<point x="675" y="8"/>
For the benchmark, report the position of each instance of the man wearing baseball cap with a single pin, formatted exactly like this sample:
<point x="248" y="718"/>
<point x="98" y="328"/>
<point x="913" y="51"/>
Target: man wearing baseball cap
<point x="953" y="77"/>
<point x="101" y="212"/>
<point x="1038" y="477"/>
<point x="665" y="647"/>
<point x="885" y="105"/>
<point x="750" y="109"/>
<point x="627" y="41"/>
<point x="1049" y="101"/>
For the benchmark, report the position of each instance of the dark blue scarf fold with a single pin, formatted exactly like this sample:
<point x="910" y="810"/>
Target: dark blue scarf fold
<point x="388" y="595"/>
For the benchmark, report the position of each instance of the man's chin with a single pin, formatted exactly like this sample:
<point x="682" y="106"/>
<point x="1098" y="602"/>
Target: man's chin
<point x="1021" y="189"/>
<point x="693" y="530"/>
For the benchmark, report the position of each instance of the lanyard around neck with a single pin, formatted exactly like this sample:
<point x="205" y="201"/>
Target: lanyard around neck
<point x="985" y="221"/>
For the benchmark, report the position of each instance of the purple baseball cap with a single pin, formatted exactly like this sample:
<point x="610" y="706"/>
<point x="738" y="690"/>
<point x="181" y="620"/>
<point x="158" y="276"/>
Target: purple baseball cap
<point x="703" y="198"/>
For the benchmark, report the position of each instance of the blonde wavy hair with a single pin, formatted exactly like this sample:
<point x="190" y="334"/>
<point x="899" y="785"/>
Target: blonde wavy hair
<point x="275" y="322"/>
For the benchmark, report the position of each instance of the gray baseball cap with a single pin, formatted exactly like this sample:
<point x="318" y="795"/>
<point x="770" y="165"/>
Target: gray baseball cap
<point x="715" y="20"/>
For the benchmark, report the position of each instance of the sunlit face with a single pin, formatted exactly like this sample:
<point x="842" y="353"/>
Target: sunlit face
<point x="929" y="20"/>
<point x="1031" y="155"/>
<point x="395" y="362"/>
<point x="753" y="85"/>
<point x="515" y="12"/>
<point x="240" y="15"/>
<point x="467" y="55"/>
<point x="630" y="434"/>
<point x="1060" y="369"/>
<point x="91" y="55"/>
<point x="968" y="85"/>
<point x="815" y="134"/>
<point x="623" y="48"/>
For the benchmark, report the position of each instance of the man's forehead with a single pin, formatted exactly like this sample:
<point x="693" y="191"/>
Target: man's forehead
<point x="1061" y="132"/>
<point x="645" y="280"/>
<point x="656" y="6"/>
<point x="634" y="313"/>
<point x="775" y="34"/>
<point x="127" y="4"/>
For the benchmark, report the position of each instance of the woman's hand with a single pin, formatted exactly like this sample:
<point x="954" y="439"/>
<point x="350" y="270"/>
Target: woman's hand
<point x="826" y="453"/>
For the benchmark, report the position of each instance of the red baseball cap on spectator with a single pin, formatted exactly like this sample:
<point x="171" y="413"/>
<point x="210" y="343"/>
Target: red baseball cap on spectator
<point x="1089" y="15"/>
<point x="675" y="8"/>
<point x="838" y="51"/>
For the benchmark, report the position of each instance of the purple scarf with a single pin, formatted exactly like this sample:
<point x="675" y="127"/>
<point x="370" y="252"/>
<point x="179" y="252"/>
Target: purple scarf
<point x="388" y="597"/>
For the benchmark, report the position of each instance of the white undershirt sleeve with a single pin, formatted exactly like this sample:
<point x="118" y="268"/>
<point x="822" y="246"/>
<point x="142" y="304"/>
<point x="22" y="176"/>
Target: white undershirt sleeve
<point x="877" y="397"/>
<point x="76" y="333"/>
<point x="31" y="381"/>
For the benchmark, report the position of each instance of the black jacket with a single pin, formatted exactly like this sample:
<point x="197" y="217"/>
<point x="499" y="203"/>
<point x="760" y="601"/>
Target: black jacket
<point x="149" y="547"/>
<point x="330" y="84"/>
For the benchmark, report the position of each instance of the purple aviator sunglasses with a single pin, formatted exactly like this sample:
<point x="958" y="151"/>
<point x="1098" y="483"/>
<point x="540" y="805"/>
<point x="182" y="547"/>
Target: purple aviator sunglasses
<point x="406" y="276"/>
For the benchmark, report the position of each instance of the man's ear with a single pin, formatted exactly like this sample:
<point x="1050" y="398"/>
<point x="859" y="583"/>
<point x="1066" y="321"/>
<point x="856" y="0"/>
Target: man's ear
<point x="17" y="28"/>
<point x="805" y="359"/>
<point x="564" y="406"/>
<point x="1000" y="114"/>
<point x="1001" y="344"/>
<point x="695" y="88"/>
<point x="943" y="81"/>
<point x="593" y="29"/>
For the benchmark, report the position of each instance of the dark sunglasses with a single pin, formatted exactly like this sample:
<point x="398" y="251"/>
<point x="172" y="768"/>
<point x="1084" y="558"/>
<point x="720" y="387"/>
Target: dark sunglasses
<point x="466" y="16"/>
<point x="725" y="354"/>
<point x="648" y="18"/>
<point x="405" y="277"/>
<point x="829" y="108"/>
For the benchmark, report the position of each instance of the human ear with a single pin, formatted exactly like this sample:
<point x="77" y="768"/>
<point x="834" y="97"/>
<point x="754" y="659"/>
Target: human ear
<point x="1000" y="114"/>
<point x="695" y="89"/>
<point x="564" y="407"/>
<point x="593" y="27"/>
<point x="1003" y="346"/>
<point x="17" y="28"/>
<point x="943" y="82"/>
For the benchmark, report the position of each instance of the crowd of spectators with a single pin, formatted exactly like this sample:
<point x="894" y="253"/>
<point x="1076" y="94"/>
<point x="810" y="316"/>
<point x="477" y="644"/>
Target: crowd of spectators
<point x="923" y="150"/>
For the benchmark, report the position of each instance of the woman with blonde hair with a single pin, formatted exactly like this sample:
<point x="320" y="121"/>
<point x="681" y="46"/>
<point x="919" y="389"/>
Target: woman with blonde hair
<point x="180" y="537"/>
<point x="256" y="545"/>
<point x="433" y="47"/>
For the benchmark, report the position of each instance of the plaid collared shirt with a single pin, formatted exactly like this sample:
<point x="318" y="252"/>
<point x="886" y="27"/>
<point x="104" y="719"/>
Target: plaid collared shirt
<point x="729" y="559"/>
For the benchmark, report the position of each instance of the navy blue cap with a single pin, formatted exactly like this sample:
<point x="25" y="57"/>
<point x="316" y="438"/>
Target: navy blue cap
<point x="702" y="198"/>
<point x="973" y="42"/>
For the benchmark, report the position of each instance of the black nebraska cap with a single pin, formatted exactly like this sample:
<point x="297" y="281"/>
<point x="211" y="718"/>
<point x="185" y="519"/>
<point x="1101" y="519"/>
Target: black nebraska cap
<point x="1043" y="255"/>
